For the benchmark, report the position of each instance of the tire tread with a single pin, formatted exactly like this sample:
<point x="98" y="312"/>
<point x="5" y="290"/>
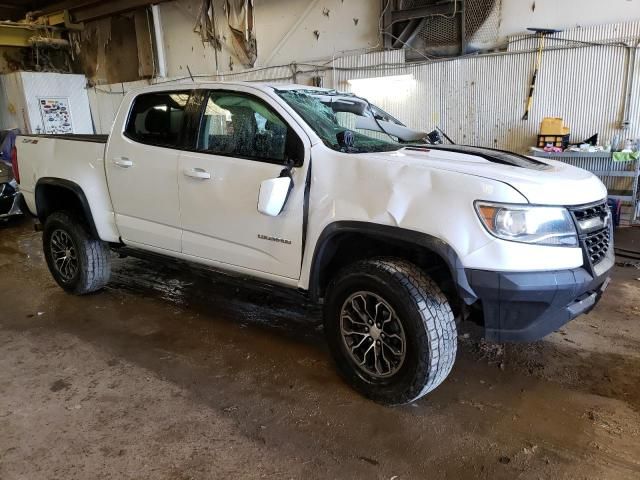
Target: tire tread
<point x="439" y="331"/>
<point x="96" y="256"/>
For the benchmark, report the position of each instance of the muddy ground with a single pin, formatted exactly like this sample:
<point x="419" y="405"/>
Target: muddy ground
<point x="179" y="375"/>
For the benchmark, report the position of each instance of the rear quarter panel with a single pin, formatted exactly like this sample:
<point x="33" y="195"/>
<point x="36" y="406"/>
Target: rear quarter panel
<point x="80" y="162"/>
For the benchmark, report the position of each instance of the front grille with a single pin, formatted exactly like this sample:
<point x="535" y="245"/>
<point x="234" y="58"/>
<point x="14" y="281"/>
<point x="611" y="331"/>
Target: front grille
<point x="593" y="211"/>
<point x="597" y="245"/>
<point x="594" y="228"/>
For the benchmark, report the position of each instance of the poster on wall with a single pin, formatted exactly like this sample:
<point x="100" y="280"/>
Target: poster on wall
<point x="56" y="116"/>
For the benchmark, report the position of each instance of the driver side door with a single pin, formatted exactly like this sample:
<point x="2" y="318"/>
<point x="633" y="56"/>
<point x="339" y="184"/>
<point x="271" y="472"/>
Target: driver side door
<point x="243" y="140"/>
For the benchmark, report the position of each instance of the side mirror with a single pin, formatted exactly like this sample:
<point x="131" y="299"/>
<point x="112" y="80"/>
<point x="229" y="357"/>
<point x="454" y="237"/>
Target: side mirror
<point x="273" y="195"/>
<point x="294" y="149"/>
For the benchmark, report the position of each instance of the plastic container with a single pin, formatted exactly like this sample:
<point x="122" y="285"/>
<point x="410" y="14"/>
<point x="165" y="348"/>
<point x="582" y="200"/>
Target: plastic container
<point x="561" y="141"/>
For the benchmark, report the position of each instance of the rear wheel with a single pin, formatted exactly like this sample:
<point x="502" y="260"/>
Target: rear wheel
<point x="390" y="329"/>
<point x="79" y="263"/>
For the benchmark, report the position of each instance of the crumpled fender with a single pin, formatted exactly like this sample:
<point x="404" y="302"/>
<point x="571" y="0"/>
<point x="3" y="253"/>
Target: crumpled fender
<point x="399" y="191"/>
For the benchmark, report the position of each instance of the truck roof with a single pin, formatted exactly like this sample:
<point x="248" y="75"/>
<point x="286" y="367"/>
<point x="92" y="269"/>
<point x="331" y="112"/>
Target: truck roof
<point x="264" y="86"/>
<point x="289" y="86"/>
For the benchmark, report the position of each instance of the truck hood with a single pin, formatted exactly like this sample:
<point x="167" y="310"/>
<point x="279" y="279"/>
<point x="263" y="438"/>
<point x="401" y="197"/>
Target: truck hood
<point x="543" y="182"/>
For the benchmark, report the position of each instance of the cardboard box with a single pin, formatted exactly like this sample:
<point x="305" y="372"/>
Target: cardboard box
<point x="553" y="126"/>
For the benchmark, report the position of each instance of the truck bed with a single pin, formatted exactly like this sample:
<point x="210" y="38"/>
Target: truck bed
<point x="73" y="137"/>
<point x="76" y="161"/>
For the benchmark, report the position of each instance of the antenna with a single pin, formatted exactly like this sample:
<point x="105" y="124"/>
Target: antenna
<point x="189" y="70"/>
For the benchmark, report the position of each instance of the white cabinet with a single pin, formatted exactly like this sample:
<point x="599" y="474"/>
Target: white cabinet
<point x="44" y="102"/>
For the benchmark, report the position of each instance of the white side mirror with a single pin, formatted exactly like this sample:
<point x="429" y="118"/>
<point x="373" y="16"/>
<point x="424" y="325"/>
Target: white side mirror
<point x="273" y="195"/>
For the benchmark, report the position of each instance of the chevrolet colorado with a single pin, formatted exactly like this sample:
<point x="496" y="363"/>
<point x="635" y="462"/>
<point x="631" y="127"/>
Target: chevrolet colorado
<point x="320" y="191"/>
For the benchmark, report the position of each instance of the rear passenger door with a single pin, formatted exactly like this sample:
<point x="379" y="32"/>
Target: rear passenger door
<point x="243" y="140"/>
<point x="142" y="165"/>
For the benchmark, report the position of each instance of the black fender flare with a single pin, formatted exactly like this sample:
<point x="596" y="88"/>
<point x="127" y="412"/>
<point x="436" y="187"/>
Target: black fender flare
<point x="77" y="192"/>
<point x="396" y="234"/>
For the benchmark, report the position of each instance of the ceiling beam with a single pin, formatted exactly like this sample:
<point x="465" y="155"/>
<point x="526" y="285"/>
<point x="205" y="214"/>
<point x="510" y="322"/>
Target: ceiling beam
<point x="16" y="35"/>
<point x="103" y="9"/>
<point x="87" y="10"/>
<point x="65" y="5"/>
<point x="421" y="12"/>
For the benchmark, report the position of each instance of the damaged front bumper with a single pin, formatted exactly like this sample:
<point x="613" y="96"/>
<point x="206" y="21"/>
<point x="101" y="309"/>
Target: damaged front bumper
<point x="526" y="306"/>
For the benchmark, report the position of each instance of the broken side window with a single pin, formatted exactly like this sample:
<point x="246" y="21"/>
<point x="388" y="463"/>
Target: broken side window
<point x="241" y="125"/>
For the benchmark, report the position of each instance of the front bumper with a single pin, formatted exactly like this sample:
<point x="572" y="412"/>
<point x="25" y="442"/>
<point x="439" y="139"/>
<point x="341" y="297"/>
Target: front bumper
<point x="526" y="306"/>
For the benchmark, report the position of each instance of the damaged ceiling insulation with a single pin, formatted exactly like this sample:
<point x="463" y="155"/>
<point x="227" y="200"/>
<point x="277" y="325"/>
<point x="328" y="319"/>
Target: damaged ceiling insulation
<point x="103" y="48"/>
<point x="206" y="24"/>
<point x="240" y="36"/>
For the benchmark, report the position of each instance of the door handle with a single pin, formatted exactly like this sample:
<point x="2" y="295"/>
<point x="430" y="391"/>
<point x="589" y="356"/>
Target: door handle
<point x="123" y="162"/>
<point x="197" y="173"/>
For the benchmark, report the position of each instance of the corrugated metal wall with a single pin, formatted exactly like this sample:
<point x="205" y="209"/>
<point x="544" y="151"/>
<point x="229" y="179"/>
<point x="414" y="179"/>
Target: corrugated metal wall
<point x="480" y="100"/>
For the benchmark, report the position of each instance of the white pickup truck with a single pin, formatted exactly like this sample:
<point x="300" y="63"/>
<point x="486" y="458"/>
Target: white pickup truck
<point x="322" y="192"/>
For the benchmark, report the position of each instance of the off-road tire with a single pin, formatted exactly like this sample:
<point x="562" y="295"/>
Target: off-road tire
<point x="425" y="313"/>
<point x="94" y="258"/>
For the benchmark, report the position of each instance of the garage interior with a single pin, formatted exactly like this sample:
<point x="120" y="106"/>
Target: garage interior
<point x="178" y="372"/>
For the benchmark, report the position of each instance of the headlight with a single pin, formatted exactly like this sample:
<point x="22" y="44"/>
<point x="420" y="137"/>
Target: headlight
<point x="528" y="224"/>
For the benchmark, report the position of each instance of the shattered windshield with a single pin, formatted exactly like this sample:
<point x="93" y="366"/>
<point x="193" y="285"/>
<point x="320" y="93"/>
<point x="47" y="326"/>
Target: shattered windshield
<point x="316" y="110"/>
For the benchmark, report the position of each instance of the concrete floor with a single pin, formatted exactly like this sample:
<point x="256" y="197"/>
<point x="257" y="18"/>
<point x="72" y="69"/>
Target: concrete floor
<point x="174" y="375"/>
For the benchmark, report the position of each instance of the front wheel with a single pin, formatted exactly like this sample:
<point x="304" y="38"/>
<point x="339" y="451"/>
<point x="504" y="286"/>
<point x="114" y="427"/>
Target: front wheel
<point x="79" y="263"/>
<point x="390" y="329"/>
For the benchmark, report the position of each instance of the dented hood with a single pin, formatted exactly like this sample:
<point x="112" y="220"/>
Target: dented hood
<point x="545" y="182"/>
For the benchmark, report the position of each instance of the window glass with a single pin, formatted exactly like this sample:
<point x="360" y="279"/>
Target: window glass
<point x="240" y="125"/>
<point x="312" y="106"/>
<point x="348" y="121"/>
<point x="157" y="118"/>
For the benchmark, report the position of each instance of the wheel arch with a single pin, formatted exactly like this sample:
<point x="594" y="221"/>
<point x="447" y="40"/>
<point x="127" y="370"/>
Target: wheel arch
<point x="53" y="194"/>
<point x="354" y="240"/>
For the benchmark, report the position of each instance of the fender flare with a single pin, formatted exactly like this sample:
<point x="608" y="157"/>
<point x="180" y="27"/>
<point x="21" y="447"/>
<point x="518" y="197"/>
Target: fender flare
<point x="77" y="192"/>
<point x="396" y="234"/>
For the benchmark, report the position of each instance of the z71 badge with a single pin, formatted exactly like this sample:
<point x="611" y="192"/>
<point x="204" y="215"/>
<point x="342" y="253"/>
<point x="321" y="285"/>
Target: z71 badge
<point x="274" y="239"/>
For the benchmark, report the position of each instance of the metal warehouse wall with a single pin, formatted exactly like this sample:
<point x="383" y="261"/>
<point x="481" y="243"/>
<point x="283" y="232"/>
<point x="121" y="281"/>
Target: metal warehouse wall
<point x="480" y="99"/>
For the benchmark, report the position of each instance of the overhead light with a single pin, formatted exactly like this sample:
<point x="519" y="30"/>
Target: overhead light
<point x="394" y="86"/>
